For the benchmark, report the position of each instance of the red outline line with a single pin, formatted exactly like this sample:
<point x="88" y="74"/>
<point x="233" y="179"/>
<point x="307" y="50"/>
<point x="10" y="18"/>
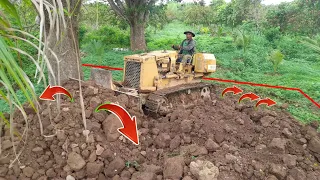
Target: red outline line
<point x="224" y="80"/>
<point x="264" y="85"/>
<point x="103" y="67"/>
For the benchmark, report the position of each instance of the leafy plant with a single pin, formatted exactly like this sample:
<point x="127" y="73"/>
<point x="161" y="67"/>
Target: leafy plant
<point x="276" y="57"/>
<point x="111" y="37"/>
<point x="272" y="34"/>
<point x="220" y="31"/>
<point x="14" y="80"/>
<point x="204" y="30"/>
<point x="194" y="157"/>
<point x="312" y="44"/>
<point x="242" y="40"/>
<point x="96" y="48"/>
<point x="134" y="164"/>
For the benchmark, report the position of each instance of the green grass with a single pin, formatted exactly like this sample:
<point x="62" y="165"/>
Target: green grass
<point x="298" y="74"/>
<point x="110" y="58"/>
<point x="300" y="69"/>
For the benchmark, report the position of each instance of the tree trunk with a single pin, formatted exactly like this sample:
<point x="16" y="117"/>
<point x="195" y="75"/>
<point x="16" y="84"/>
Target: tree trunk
<point x="137" y="36"/>
<point x="64" y="48"/>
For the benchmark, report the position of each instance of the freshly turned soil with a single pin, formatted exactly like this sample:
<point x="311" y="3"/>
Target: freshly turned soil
<point x="243" y="142"/>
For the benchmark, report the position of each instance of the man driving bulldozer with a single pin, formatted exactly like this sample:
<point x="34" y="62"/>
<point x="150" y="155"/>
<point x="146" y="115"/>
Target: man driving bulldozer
<point x="186" y="50"/>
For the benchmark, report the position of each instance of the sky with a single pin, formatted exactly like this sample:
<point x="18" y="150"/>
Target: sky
<point x="266" y="2"/>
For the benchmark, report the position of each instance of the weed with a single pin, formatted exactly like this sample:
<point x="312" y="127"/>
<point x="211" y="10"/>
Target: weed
<point x="133" y="164"/>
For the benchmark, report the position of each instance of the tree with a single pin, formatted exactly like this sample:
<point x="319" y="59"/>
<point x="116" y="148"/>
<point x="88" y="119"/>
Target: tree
<point x="64" y="44"/>
<point x="65" y="61"/>
<point x="158" y="18"/>
<point x="99" y="10"/>
<point x="217" y="3"/>
<point x="310" y="11"/>
<point x="136" y="13"/>
<point x="14" y="78"/>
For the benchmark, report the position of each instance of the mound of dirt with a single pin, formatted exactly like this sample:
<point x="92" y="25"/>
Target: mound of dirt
<point x="211" y="139"/>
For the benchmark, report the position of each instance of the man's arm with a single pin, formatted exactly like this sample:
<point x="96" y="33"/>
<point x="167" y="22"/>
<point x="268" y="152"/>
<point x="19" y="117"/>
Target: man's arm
<point x="190" y="46"/>
<point x="175" y="47"/>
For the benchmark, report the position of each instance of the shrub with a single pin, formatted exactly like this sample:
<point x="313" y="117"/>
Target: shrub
<point x="220" y="31"/>
<point x="248" y="26"/>
<point x="217" y="31"/>
<point x="82" y="31"/>
<point x="272" y="34"/>
<point x="242" y="40"/>
<point x="276" y="57"/>
<point x="95" y="48"/>
<point x="162" y="43"/>
<point x="109" y="36"/>
<point x="313" y="44"/>
<point x="214" y="45"/>
<point x="292" y="49"/>
<point x="204" y="30"/>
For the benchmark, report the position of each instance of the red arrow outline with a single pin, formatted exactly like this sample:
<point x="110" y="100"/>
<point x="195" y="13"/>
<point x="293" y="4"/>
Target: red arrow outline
<point x="266" y="101"/>
<point x="125" y="118"/>
<point x="54" y="90"/>
<point x="249" y="95"/>
<point x="233" y="89"/>
<point x="227" y="81"/>
<point x="264" y="85"/>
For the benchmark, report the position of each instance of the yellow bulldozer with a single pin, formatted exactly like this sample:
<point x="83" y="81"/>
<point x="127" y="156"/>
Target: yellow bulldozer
<point x="153" y="78"/>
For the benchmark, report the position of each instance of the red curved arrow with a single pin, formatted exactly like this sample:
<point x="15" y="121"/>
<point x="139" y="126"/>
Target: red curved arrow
<point x="233" y="89"/>
<point x="252" y="96"/>
<point x="49" y="92"/>
<point x="269" y="102"/>
<point x="129" y="129"/>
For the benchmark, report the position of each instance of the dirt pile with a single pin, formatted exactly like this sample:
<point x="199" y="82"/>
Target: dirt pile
<point x="214" y="139"/>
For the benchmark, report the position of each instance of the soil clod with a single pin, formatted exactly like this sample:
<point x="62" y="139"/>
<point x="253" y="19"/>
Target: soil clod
<point x="204" y="140"/>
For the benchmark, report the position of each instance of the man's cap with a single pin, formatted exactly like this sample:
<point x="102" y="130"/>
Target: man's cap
<point x="186" y="32"/>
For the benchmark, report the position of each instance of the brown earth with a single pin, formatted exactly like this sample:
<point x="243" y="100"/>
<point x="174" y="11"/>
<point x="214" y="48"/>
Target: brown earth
<point x="211" y="139"/>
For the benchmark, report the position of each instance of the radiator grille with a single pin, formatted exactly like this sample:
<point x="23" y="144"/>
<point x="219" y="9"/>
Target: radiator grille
<point x="132" y="74"/>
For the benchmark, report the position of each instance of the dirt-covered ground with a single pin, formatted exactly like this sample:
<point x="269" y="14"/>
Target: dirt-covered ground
<point x="206" y="140"/>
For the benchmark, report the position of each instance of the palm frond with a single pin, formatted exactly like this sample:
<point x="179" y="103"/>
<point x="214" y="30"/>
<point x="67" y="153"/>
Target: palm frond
<point x="11" y="73"/>
<point x="10" y="9"/>
<point x="312" y="44"/>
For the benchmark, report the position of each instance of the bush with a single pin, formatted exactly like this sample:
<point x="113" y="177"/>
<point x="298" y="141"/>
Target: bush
<point x="82" y="31"/>
<point x="214" y="45"/>
<point x="162" y="43"/>
<point x="293" y="49"/>
<point x="248" y="26"/>
<point x="110" y="36"/>
<point x="217" y="31"/>
<point x="204" y="30"/>
<point x="276" y="57"/>
<point x="242" y="40"/>
<point x="95" y="48"/>
<point x="272" y="34"/>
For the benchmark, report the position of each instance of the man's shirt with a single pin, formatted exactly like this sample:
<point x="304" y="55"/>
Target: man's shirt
<point x="188" y="47"/>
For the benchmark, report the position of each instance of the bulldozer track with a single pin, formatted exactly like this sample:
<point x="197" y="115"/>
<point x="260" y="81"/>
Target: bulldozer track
<point x="159" y="101"/>
<point x="166" y="91"/>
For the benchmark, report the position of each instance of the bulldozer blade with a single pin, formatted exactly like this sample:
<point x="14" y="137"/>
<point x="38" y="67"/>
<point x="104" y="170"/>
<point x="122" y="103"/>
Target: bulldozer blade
<point x="102" y="77"/>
